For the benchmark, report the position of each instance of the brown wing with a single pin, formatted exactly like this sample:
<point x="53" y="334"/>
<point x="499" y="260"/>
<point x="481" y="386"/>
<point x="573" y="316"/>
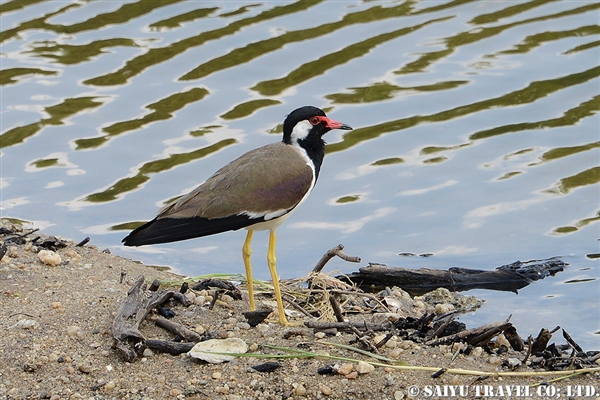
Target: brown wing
<point x="271" y="178"/>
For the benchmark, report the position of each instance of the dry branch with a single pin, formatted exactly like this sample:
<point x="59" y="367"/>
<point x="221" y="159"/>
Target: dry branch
<point x="134" y="309"/>
<point x="336" y="251"/>
<point x="346" y="326"/>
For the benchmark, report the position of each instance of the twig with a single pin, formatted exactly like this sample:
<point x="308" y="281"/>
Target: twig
<point x="296" y="305"/>
<point x="83" y="242"/>
<point x="346" y="326"/>
<point x="367" y="295"/>
<point x="336" y="251"/>
<point x="383" y="341"/>
<point x="24" y="234"/>
<point x="529" y="347"/>
<point x="214" y="299"/>
<point x="473" y="336"/>
<point x="365" y="340"/>
<point x="570" y="340"/>
<point x="438" y="373"/>
<point x="337" y="309"/>
<point x="441" y="328"/>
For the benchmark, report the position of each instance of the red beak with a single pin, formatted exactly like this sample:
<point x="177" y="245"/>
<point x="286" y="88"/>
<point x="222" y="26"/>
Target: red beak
<point x="337" y="125"/>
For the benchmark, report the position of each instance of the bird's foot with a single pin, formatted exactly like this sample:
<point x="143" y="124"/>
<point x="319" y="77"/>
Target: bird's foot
<point x="291" y="324"/>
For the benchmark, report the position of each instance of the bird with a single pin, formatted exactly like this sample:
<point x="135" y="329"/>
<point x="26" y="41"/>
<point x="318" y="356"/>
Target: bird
<point x="257" y="191"/>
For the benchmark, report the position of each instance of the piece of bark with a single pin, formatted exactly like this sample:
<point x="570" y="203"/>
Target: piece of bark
<point x="337" y="309"/>
<point x="168" y="346"/>
<point x="256" y="317"/>
<point x="136" y="306"/>
<point x="267" y="367"/>
<point x="541" y="341"/>
<point x="570" y="340"/>
<point x="229" y="287"/>
<point x="178" y="329"/>
<point x="475" y="337"/>
<point x="514" y="339"/>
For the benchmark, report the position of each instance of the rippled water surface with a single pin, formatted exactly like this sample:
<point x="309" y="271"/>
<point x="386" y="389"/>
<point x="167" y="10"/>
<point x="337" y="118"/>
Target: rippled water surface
<point x="476" y="132"/>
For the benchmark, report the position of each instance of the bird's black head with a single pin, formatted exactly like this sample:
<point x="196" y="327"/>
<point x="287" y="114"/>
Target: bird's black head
<point x="305" y="127"/>
<point x="308" y="123"/>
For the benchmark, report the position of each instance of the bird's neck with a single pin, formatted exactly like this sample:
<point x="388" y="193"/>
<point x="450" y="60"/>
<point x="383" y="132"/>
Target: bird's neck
<point x="315" y="150"/>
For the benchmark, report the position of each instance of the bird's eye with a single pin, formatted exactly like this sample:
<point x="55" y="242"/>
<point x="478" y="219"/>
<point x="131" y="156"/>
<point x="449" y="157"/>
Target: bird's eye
<point x="314" y="120"/>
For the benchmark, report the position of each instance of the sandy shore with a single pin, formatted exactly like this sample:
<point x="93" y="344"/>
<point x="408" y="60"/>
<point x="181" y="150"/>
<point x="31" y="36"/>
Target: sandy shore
<point x="57" y="343"/>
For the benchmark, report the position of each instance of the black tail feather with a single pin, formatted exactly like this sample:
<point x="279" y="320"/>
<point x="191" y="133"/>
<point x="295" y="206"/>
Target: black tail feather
<point x="165" y="230"/>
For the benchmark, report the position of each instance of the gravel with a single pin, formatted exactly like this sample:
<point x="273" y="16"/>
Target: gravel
<point x="57" y="342"/>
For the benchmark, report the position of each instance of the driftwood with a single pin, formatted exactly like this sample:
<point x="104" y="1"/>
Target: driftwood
<point x="168" y="346"/>
<point x="475" y="337"/>
<point x="136" y="306"/>
<point x="346" y="326"/>
<point x="509" y="277"/>
<point x="180" y="330"/>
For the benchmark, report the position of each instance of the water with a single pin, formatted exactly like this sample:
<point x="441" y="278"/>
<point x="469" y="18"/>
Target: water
<point x="476" y="132"/>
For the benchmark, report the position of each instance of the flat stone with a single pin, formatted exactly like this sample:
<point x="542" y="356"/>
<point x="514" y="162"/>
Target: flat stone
<point x="205" y="350"/>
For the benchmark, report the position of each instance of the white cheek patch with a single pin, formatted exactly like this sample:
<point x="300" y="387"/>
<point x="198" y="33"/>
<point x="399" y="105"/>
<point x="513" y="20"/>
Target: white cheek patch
<point x="301" y="130"/>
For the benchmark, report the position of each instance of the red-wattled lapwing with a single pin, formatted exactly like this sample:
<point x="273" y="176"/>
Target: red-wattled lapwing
<point x="258" y="191"/>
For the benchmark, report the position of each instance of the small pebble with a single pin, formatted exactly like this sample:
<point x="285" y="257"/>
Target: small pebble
<point x="513" y="362"/>
<point x="501" y="341"/>
<point x="217" y="375"/>
<point x="326" y="390"/>
<point x="243" y="325"/>
<point x="477" y="351"/>
<point x="49" y="257"/>
<point x="364" y="368"/>
<point x="200" y="329"/>
<point x="443" y="308"/>
<point x="72" y="254"/>
<point x="320" y="335"/>
<point x="263" y="328"/>
<point x="396" y="353"/>
<point x="351" y="375"/>
<point x="86" y="368"/>
<point x="300" y="390"/>
<point x="148" y="353"/>
<point x="12" y="252"/>
<point x="74" y="331"/>
<point x="227" y="298"/>
<point x="345" y="369"/>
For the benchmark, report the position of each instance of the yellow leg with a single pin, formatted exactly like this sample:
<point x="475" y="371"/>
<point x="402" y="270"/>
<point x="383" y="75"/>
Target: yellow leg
<point x="246" y="253"/>
<point x="272" y="267"/>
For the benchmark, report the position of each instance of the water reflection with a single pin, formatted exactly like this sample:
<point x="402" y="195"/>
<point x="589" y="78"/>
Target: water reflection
<point x="476" y="123"/>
